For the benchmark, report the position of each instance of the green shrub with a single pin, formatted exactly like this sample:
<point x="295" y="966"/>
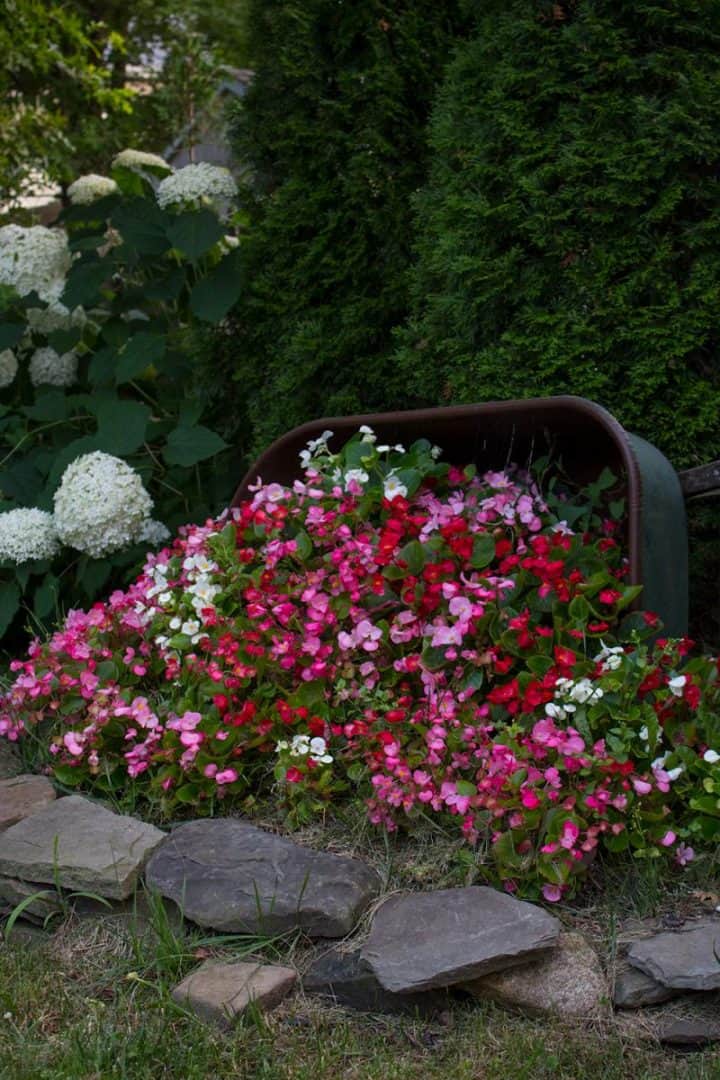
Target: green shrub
<point x="103" y="323"/>
<point x="333" y="130"/>
<point x="568" y="235"/>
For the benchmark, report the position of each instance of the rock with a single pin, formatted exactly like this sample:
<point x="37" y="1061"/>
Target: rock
<point x="688" y="1032"/>
<point x="10" y="763"/>
<point x="229" y="875"/>
<point x="220" y="990"/>
<point x="79" y="845"/>
<point x="568" y="982"/>
<point x="428" y="939"/>
<point x="14" y="892"/>
<point x="348" y="981"/>
<point x="684" y="960"/>
<point x="633" y="989"/>
<point x="22" y="796"/>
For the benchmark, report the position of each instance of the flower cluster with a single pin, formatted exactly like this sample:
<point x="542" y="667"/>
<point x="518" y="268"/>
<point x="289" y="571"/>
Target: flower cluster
<point x="199" y="183"/>
<point x="54" y="317"/>
<point x="34" y="259"/>
<point x="47" y="367"/>
<point x="440" y="643"/>
<point x="26" y="535"/>
<point x="139" y="160"/>
<point x="89" y="188"/>
<point x="8" y="368"/>
<point x="101" y="505"/>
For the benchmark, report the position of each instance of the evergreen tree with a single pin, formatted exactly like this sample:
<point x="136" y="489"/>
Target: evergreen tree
<point x="569" y="235"/>
<point x="333" y="133"/>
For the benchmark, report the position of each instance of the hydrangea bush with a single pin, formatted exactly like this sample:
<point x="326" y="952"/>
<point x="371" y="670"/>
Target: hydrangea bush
<point x="434" y="642"/>
<point x="103" y="320"/>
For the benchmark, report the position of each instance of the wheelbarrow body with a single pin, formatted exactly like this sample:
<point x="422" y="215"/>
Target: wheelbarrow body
<point x="492" y="435"/>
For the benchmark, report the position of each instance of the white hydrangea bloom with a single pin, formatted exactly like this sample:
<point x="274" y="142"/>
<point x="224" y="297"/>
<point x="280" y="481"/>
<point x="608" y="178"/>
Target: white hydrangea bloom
<point x="8" y="368"/>
<point x="34" y="258"/>
<point x="49" y="368"/>
<point x="89" y="188"/>
<point x="27" y="534"/>
<point x="54" y="317"/>
<point x="153" y="532"/>
<point x="101" y="505"/>
<point x="139" y="160"/>
<point x="199" y="183"/>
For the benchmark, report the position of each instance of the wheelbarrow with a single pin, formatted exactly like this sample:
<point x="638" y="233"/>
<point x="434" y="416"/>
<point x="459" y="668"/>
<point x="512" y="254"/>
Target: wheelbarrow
<point x="583" y="434"/>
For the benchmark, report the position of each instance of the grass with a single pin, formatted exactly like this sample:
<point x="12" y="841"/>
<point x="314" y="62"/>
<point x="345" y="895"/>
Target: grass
<point x="68" y="1011"/>
<point x="92" y="1002"/>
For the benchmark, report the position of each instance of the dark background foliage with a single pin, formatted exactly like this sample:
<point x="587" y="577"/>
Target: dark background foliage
<point x="334" y="131"/>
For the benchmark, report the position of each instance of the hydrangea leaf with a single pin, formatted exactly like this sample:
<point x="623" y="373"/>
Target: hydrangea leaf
<point x="188" y="445"/>
<point x="195" y="232"/>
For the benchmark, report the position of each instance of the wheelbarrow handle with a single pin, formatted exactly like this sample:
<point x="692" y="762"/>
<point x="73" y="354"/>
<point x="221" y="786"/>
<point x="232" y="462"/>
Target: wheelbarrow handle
<point x="701" y="480"/>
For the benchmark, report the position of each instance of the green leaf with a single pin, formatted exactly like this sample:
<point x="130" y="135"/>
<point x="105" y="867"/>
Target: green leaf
<point x="188" y="445"/>
<point x="10" y="334"/>
<point x="67" y="775"/>
<point x="9" y="604"/>
<point x="483" y="551"/>
<point x="141" y="350"/>
<point x="84" y="282"/>
<point x="464" y="787"/>
<point x="304" y="546"/>
<point x="102" y="365"/>
<point x="195" y="232"/>
<point x="49" y="405"/>
<point x="579" y="609"/>
<point x="141" y="223"/>
<point x="413" y="555"/>
<point x="121" y="425"/>
<point x="215" y="294"/>
<point x="187" y="793"/>
<point x="46" y="595"/>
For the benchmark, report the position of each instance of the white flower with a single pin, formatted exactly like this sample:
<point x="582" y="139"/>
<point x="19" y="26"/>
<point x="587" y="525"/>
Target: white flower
<point x="674" y="773"/>
<point x="54" y="317"/>
<point x="27" y="534"/>
<point x="191" y="628"/>
<point x="435" y="453"/>
<point x="89" y="188"/>
<point x="392" y="488"/>
<point x="34" y="259"/>
<point x="300" y="745"/>
<point x="137" y="160"/>
<point x="318" y="750"/>
<point x="399" y="448"/>
<point x="319" y="444"/>
<point x="358" y="475"/>
<point x="368" y="435"/>
<point x="711" y="756"/>
<point x="555" y="712"/>
<point x="101" y="505"/>
<point x="49" y="368"/>
<point x="8" y="368"/>
<point x="675" y="686"/>
<point x="643" y="733"/>
<point x="305" y="459"/>
<point x="584" y="692"/>
<point x="152" y="532"/>
<point x="659" y="762"/>
<point x="198" y="183"/>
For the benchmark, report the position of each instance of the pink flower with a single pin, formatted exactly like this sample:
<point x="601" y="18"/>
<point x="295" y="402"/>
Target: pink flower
<point x="668" y="839"/>
<point x="684" y="855"/>
<point x="641" y="786"/>
<point x="227" y="776"/>
<point x="552" y="893"/>
<point x="569" y="835"/>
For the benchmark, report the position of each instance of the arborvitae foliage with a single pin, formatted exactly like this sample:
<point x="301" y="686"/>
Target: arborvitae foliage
<point x="569" y="236"/>
<point x="333" y="131"/>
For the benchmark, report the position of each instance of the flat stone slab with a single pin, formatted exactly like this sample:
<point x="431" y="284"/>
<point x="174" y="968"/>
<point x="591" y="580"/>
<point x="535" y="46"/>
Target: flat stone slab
<point x="22" y="796"/>
<point x="219" y="990"/>
<point x="684" y="959"/>
<point x="428" y="939"/>
<point x="634" y="989"/>
<point x="232" y="876"/>
<point x="346" y="980"/>
<point x="81" y="846"/>
<point x="569" y="982"/>
<point x="39" y="900"/>
<point x="688" y="1032"/>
